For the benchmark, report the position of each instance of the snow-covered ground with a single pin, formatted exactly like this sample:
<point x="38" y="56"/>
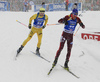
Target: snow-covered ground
<point x="84" y="60"/>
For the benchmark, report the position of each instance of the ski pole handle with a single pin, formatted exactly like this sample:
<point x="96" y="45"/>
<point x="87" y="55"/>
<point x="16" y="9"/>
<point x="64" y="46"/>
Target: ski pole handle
<point x="21" y="23"/>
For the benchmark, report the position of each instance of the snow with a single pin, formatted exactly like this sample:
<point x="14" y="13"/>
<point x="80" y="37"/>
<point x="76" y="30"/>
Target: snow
<point x="84" y="60"/>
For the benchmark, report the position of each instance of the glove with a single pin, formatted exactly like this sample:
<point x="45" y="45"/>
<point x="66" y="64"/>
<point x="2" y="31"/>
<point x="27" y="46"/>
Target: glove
<point x="83" y="26"/>
<point x="29" y="26"/>
<point x="61" y="21"/>
<point x="43" y="26"/>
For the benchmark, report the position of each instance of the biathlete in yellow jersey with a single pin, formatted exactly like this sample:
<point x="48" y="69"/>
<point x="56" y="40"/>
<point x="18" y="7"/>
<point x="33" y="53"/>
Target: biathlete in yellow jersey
<point x="40" y="21"/>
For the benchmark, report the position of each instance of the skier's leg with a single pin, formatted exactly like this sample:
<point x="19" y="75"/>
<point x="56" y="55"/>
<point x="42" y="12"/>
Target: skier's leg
<point x="69" y="47"/>
<point x="62" y="42"/>
<point x="28" y="38"/>
<point x="25" y="42"/>
<point x="39" y="34"/>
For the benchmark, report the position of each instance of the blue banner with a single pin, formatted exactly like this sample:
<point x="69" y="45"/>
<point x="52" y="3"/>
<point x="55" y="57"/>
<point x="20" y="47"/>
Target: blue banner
<point x="4" y="6"/>
<point x="70" y="6"/>
<point x="79" y="6"/>
<point x="37" y="7"/>
<point x="51" y="7"/>
<point x="57" y="7"/>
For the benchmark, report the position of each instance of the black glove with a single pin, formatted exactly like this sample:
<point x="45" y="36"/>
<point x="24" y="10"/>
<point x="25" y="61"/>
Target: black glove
<point x="43" y="26"/>
<point x="83" y="26"/>
<point x="29" y="26"/>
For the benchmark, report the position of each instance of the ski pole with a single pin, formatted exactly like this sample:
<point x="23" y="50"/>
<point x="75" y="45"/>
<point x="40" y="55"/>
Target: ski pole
<point x="47" y="24"/>
<point x="21" y="23"/>
<point x="76" y="31"/>
<point x="53" y="24"/>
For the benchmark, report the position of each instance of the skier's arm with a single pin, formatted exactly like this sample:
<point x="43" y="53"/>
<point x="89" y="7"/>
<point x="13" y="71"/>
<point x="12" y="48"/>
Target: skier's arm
<point x="46" y="20"/>
<point x="63" y="20"/>
<point x="80" y="23"/>
<point x="31" y="18"/>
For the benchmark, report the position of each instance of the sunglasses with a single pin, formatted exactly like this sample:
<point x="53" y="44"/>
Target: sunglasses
<point x="42" y="12"/>
<point x="75" y="13"/>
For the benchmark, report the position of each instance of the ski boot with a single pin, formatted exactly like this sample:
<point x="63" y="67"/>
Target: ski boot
<point x="55" y="62"/>
<point x="66" y="65"/>
<point x="37" y="51"/>
<point x="20" y="49"/>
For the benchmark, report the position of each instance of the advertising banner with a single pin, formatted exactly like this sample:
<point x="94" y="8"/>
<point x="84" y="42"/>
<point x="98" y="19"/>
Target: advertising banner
<point x="4" y="6"/>
<point x="86" y="36"/>
<point x="57" y="7"/>
<point x="50" y="7"/>
<point x="37" y="7"/>
<point x="70" y="6"/>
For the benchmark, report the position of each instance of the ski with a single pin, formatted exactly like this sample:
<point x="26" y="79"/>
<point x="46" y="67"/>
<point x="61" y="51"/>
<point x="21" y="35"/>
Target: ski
<point x="49" y="62"/>
<point x="65" y="69"/>
<point x="45" y="60"/>
<point x="40" y="56"/>
<point x="16" y="56"/>
<point x="51" y="69"/>
<point x="70" y="72"/>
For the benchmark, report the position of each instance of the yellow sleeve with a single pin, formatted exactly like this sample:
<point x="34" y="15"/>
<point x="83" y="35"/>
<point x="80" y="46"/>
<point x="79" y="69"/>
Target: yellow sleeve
<point x="32" y="18"/>
<point x="46" y="20"/>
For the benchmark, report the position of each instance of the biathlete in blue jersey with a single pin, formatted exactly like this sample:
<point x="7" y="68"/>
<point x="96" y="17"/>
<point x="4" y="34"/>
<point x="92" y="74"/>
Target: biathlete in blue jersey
<point x="37" y="23"/>
<point x="70" y="22"/>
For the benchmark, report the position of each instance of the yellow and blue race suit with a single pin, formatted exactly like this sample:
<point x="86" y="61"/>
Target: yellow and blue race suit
<point x="38" y="23"/>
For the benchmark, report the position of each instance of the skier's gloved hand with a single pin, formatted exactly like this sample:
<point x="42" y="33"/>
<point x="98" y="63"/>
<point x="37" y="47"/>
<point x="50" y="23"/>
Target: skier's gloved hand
<point x="61" y="20"/>
<point x="43" y="26"/>
<point x="29" y="26"/>
<point x="83" y="26"/>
